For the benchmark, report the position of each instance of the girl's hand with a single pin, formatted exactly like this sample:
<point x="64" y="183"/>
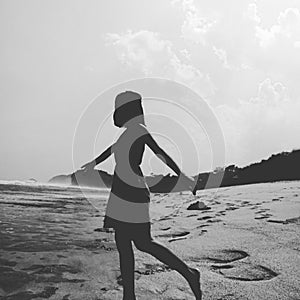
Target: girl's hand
<point x="89" y="166"/>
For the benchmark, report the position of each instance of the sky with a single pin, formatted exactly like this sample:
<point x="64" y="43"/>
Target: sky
<point x="57" y="59"/>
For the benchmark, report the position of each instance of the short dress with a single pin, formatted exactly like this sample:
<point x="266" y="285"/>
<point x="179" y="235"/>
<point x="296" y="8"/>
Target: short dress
<point x="129" y="198"/>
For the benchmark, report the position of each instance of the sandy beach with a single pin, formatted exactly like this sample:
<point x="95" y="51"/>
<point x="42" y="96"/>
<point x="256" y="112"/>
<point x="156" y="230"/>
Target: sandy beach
<point x="246" y="246"/>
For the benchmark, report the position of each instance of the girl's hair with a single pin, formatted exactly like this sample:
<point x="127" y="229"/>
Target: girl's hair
<point x="128" y="105"/>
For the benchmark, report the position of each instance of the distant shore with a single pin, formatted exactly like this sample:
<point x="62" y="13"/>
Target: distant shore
<point x="278" y="167"/>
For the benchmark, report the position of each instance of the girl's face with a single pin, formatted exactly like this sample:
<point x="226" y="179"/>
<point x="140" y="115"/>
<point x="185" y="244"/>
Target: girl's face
<point x="129" y="114"/>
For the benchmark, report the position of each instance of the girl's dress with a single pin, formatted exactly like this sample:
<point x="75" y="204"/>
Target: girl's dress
<point x="129" y="198"/>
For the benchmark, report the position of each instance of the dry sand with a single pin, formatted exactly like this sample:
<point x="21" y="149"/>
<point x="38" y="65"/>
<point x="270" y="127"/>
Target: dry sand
<point x="246" y="247"/>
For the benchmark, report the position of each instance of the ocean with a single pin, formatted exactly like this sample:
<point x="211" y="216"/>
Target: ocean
<point x="46" y="214"/>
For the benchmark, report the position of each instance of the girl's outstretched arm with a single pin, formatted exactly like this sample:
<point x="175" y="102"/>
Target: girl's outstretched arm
<point x="162" y="155"/>
<point x="103" y="156"/>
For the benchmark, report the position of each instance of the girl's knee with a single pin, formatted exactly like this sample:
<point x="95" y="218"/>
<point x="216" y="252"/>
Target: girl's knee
<point x="143" y="244"/>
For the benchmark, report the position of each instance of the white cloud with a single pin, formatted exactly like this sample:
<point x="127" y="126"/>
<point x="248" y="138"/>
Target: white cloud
<point x="279" y="53"/>
<point x="270" y="93"/>
<point x="186" y="54"/>
<point x="224" y="28"/>
<point x="143" y="49"/>
<point x="253" y="13"/>
<point x="195" y="26"/>
<point x="286" y="29"/>
<point x="147" y="52"/>
<point x="245" y="48"/>
<point x="265" y="124"/>
<point x="222" y="56"/>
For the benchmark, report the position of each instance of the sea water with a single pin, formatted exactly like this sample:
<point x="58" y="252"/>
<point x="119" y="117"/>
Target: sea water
<point x="37" y="216"/>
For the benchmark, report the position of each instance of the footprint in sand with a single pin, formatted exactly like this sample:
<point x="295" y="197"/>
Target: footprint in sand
<point x="165" y="218"/>
<point x="245" y="202"/>
<point x="214" y="221"/>
<point x="221" y="213"/>
<point x="149" y="269"/>
<point x="222" y="256"/>
<point x="202" y="225"/>
<point x="262" y="214"/>
<point x="294" y="220"/>
<point x="278" y="221"/>
<point x="192" y="215"/>
<point x="177" y="239"/>
<point x="165" y="228"/>
<point x="170" y="206"/>
<point x="240" y="270"/>
<point x="263" y="210"/>
<point x="229" y="296"/>
<point x="231" y="207"/>
<point x="203" y="231"/>
<point x="226" y="256"/>
<point x="174" y="234"/>
<point x="254" y="206"/>
<point x="287" y="221"/>
<point x="244" y="272"/>
<point x="204" y="218"/>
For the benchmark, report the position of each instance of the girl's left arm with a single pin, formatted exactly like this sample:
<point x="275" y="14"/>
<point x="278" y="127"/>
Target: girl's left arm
<point x="103" y="156"/>
<point x="161" y="154"/>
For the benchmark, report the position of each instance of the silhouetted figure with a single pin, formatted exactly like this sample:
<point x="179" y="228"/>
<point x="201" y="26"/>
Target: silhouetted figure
<point x="127" y="208"/>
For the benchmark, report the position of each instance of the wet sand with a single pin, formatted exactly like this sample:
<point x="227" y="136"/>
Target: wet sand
<point x="246" y="247"/>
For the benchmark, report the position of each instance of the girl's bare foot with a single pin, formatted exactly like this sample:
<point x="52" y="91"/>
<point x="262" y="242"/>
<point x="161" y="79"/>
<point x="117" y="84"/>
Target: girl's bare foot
<point x="194" y="282"/>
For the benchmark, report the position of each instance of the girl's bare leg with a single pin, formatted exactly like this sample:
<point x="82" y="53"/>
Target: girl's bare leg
<point x="126" y="257"/>
<point x="169" y="258"/>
